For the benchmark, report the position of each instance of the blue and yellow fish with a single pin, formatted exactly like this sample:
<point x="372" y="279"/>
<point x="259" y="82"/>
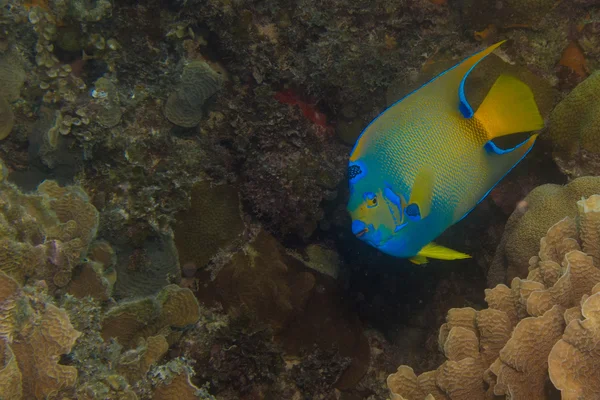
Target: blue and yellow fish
<point x="428" y="160"/>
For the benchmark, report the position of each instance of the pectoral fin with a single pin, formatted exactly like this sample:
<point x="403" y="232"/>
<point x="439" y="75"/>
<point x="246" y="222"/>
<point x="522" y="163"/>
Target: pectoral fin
<point x="433" y="250"/>
<point x="419" y="204"/>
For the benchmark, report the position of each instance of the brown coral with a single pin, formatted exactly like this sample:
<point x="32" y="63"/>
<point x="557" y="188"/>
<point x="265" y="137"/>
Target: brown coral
<point x="574" y="362"/>
<point x="198" y="82"/>
<point x="46" y="234"/>
<point x="172" y="307"/>
<point x="212" y="223"/>
<point x="33" y="335"/>
<point x="520" y="342"/>
<point x="573" y="128"/>
<point x="544" y="206"/>
<point x="180" y="388"/>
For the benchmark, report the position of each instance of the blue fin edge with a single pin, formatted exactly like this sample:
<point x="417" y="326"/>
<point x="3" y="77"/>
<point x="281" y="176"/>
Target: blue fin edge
<point x="491" y="147"/>
<point x="465" y="108"/>
<point x="498" y="150"/>
<point x="461" y="96"/>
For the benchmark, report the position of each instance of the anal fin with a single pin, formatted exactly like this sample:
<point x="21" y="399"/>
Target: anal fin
<point x="436" y="251"/>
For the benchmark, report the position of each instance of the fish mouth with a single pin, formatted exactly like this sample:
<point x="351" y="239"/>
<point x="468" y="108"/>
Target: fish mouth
<point x="361" y="233"/>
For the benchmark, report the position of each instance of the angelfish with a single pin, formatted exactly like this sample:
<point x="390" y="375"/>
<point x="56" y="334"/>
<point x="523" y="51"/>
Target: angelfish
<point x="428" y="160"/>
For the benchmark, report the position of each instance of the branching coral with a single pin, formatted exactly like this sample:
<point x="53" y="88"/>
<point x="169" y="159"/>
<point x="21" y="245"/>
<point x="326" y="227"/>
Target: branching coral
<point x="520" y="341"/>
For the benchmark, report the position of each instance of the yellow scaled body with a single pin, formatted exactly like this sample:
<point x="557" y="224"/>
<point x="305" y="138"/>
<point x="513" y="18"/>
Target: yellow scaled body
<point x="426" y="161"/>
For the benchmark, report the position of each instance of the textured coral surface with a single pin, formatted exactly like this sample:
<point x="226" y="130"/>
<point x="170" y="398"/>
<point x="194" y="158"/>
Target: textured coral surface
<point x="173" y="198"/>
<point x="542" y="329"/>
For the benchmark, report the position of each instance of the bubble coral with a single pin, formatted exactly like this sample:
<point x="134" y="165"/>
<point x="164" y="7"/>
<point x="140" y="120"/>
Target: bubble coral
<point x="573" y="129"/>
<point x="198" y="83"/>
<point x="543" y="207"/>
<point x="520" y="342"/>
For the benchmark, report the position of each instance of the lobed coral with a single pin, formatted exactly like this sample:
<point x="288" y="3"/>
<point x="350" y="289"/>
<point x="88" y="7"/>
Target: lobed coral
<point x="172" y="307"/>
<point x="141" y="367"/>
<point x="46" y="234"/>
<point x="34" y="333"/>
<point x="541" y="208"/>
<point x="519" y="343"/>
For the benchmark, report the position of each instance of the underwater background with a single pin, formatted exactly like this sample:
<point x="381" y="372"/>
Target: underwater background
<point x="173" y="191"/>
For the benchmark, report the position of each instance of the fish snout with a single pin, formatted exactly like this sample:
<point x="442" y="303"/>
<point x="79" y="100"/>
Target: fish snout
<point x="359" y="228"/>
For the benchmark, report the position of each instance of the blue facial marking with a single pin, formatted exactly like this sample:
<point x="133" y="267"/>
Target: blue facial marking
<point x="393" y="197"/>
<point x="412" y="212"/>
<point x="356" y="171"/>
<point x="358" y="226"/>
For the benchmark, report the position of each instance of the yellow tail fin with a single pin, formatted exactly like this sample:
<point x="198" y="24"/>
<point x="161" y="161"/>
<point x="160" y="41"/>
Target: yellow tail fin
<point x="433" y="250"/>
<point x="509" y="107"/>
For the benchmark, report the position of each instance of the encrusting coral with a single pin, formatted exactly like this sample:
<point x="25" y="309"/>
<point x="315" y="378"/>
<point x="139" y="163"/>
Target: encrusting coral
<point x="212" y="223"/>
<point x="198" y="83"/>
<point x="519" y="344"/>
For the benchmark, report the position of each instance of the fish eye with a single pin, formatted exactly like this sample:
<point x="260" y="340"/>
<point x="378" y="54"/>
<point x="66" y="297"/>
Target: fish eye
<point x="371" y="199"/>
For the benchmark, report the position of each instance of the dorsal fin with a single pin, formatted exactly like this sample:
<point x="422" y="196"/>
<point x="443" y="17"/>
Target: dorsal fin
<point x="464" y="69"/>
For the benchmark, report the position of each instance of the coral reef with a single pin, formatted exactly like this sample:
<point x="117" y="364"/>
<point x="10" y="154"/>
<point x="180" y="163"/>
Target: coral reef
<point x="542" y="208"/>
<point x="261" y="281"/>
<point x="209" y="139"/>
<point x="307" y="44"/>
<point x="242" y="357"/>
<point x="96" y="276"/>
<point x="198" y="83"/>
<point x="34" y="333"/>
<point x="212" y="223"/>
<point x="7" y="119"/>
<point x="289" y="166"/>
<point x="145" y="270"/>
<point x="46" y="234"/>
<point x="318" y="372"/>
<point x="173" y="307"/>
<point x="519" y="344"/>
<point x="573" y="129"/>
